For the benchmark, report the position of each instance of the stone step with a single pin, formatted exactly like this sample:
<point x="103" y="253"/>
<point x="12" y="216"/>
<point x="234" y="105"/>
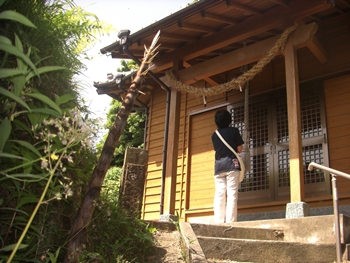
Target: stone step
<point x="227" y="231"/>
<point x="267" y="251"/>
<point x="310" y="239"/>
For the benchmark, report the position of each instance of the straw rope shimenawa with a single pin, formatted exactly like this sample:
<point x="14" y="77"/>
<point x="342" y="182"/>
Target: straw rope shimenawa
<point x="236" y="83"/>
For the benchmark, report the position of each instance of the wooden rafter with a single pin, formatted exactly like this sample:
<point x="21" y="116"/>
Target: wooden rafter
<point x="268" y="21"/>
<point x="280" y="2"/>
<point x="218" y="18"/>
<point x="339" y="10"/>
<point x="173" y="36"/>
<point x="316" y="18"/>
<point x="243" y="56"/>
<point x="243" y="8"/>
<point x="168" y="46"/>
<point x="164" y="45"/>
<point x="344" y="2"/>
<point x="273" y="32"/>
<point x="309" y="8"/>
<point x="198" y="28"/>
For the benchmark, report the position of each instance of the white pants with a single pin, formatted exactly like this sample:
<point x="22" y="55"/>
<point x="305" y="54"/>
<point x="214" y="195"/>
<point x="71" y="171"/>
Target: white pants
<point x="225" y="199"/>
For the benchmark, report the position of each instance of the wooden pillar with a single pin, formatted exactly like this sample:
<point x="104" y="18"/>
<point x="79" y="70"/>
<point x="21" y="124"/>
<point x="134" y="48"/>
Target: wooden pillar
<point x="172" y="152"/>
<point x="294" y="124"/>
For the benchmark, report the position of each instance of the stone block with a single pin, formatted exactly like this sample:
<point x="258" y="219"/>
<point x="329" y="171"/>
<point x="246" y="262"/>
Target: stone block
<point x="297" y="209"/>
<point x="168" y="218"/>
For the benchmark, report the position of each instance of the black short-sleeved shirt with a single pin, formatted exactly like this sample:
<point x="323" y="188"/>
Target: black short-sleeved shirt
<point x="232" y="137"/>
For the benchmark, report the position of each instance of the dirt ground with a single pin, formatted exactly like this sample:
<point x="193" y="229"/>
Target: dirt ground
<point x="167" y="248"/>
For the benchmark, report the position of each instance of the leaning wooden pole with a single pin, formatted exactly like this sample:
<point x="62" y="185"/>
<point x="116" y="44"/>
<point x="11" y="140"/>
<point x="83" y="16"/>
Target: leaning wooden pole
<point x="85" y="212"/>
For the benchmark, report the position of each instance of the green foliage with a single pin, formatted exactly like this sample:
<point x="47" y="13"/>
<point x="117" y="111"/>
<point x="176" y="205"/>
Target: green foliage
<point x="46" y="137"/>
<point x="111" y="184"/>
<point x="64" y="33"/>
<point x="127" y="65"/>
<point x="132" y="136"/>
<point x="115" y="235"/>
<point x="45" y="142"/>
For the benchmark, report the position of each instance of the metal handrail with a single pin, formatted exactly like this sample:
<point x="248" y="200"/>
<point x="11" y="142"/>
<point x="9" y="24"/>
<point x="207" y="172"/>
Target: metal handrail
<point x="334" y="174"/>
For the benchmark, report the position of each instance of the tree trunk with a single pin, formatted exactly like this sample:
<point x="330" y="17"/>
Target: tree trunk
<point x="85" y="212"/>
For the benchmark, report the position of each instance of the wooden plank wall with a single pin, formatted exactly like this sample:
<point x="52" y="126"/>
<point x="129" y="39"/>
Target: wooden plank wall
<point x="154" y="146"/>
<point x="337" y="99"/>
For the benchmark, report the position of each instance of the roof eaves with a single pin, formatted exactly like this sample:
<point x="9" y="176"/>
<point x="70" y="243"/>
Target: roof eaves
<point x="163" y="23"/>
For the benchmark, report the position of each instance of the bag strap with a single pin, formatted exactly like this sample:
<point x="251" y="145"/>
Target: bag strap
<point x="227" y="145"/>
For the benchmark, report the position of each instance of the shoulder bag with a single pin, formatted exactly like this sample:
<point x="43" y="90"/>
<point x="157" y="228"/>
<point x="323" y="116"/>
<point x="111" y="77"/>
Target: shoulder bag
<point x="241" y="164"/>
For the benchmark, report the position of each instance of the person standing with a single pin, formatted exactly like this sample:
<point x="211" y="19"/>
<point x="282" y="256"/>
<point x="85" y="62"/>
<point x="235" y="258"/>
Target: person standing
<point x="227" y="169"/>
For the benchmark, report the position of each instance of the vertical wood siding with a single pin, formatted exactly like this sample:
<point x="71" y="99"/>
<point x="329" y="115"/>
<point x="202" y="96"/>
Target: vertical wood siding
<point x="337" y="98"/>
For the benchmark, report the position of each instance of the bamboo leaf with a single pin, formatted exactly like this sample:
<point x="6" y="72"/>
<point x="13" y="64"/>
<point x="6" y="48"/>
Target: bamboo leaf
<point x="26" y="200"/>
<point x="26" y="177"/>
<point x="64" y="98"/>
<point x="15" y="51"/>
<point x="5" y="131"/>
<point x="44" y="70"/>
<point x="28" y="146"/>
<point x="14" y="16"/>
<point x="27" y="163"/>
<point x="46" y="111"/>
<point x="20" y="64"/>
<point x="18" y="84"/>
<point x="11" y="247"/>
<point x="46" y="100"/>
<point x="5" y="40"/>
<point x="17" y="113"/>
<point x="14" y="210"/>
<point x="10" y="95"/>
<point x="8" y="155"/>
<point x="7" y="72"/>
<point x="21" y="126"/>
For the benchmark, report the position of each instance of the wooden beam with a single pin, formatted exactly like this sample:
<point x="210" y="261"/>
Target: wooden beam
<point x="243" y="56"/>
<point x="274" y="32"/>
<point x="208" y="80"/>
<point x="280" y="2"/>
<point x="316" y="47"/>
<point x="294" y="124"/>
<point x="344" y="2"/>
<point x="168" y="46"/>
<point x="243" y="8"/>
<point x="177" y="37"/>
<point x="197" y="28"/>
<point x="222" y="19"/>
<point x="308" y="8"/>
<point x="318" y="50"/>
<point x="251" y="27"/>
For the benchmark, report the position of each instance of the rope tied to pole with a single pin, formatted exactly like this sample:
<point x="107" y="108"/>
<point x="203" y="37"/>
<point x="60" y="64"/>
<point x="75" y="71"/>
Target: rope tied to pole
<point x="238" y="82"/>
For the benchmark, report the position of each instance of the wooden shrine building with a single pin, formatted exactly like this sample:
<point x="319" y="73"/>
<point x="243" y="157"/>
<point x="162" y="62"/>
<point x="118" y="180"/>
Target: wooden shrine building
<point x="299" y="101"/>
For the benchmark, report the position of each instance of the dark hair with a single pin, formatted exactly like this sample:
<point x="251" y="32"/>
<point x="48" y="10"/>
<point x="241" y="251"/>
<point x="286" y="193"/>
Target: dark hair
<point x="222" y="118"/>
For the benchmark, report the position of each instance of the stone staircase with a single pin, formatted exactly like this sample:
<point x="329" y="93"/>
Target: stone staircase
<point x="297" y="240"/>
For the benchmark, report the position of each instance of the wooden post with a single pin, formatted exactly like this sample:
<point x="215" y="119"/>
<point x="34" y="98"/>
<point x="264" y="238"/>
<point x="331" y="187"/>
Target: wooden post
<point x="294" y="123"/>
<point x="172" y="152"/>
